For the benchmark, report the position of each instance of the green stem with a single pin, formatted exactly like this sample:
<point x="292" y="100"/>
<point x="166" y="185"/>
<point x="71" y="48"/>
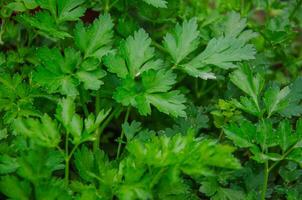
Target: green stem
<point x="83" y="104"/>
<point x="295" y="9"/>
<point x="113" y="3"/>
<point x="2" y="31"/>
<point x="73" y="150"/>
<point x="107" y="6"/>
<point x="265" y="180"/>
<point x="282" y="158"/>
<point x="156" y="177"/>
<point x="97" y="106"/>
<point x="66" y="160"/>
<point x="205" y="91"/>
<point x="122" y="135"/>
<point x="159" y="47"/>
<point x="220" y="135"/>
<point x="174" y="66"/>
<point x="99" y="131"/>
<point x="49" y="97"/>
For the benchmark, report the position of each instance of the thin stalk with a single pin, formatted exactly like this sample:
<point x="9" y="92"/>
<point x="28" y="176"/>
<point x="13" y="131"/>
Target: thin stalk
<point x="196" y="86"/>
<point x="66" y="160"/>
<point x="73" y="150"/>
<point x="97" y="105"/>
<point x="159" y="47"/>
<point x="99" y="131"/>
<point x="265" y="180"/>
<point x="107" y="6"/>
<point x="157" y="177"/>
<point x="112" y="4"/>
<point x="2" y="31"/>
<point x="220" y="135"/>
<point x="174" y="66"/>
<point x="49" y="97"/>
<point x="282" y="158"/>
<point x="122" y="135"/>
<point x="83" y="104"/>
<point x="295" y="9"/>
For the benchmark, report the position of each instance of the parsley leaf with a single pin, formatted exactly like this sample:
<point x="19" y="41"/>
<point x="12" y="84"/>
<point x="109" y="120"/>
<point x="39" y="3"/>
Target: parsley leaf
<point x="44" y="132"/>
<point x="222" y="52"/>
<point x="64" y="73"/>
<point x="94" y="41"/>
<point x="136" y="59"/>
<point x="183" y="40"/>
<point x="157" y="3"/>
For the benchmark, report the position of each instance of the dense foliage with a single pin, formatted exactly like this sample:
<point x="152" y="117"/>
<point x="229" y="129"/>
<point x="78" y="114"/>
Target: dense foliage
<point x="150" y="99"/>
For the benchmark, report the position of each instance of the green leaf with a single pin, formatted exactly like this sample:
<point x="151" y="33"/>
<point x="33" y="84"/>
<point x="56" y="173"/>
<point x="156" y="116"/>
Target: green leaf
<point x="44" y="23"/>
<point x="171" y="103"/>
<point x="91" y="80"/>
<point x="39" y="164"/>
<point x="134" y="59"/>
<point x="94" y="41"/>
<point x="63" y="73"/>
<point x="275" y="99"/>
<point x="286" y="137"/>
<point x="157" y="3"/>
<point x="85" y="164"/>
<point x="248" y="105"/>
<point x="132" y="129"/>
<point x="44" y="132"/>
<point x="249" y="83"/>
<point x="183" y="40"/>
<point x="53" y="189"/>
<point x="63" y="10"/>
<point x="193" y="156"/>
<point x="212" y="189"/>
<point x="243" y="135"/>
<point x="137" y="56"/>
<point x="295" y="156"/>
<point x="16" y="98"/>
<point x="76" y="128"/>
<point x="66" y="111"/>
<point x="8" y="164"/>
<point x="155" y="90"/>
<point x="117" y="65"/>
<point x="294" y="107"/>
<point x="14" y="188"/>
<point x="70" y="10"/>
<point x="223" y="52"/>
<point x="56" y="71"/>
<point x="92" y="122"/>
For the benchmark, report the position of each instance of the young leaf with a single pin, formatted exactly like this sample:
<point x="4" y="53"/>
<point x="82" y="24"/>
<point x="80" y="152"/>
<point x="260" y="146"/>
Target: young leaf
<point x="294" y="108"/>
<point x="275" y="99"/>
<point x="70" y="10"/>
<point x="16" y="98"/>
<point x="94" y="41"/>
<point x="44" y="132"/>
<point x="63" y="73"/>
<point x="183" y="40"/>
<point x="14" y="188"/>
<point x="286" y="137"/>
<point x="66" y="111"/>
<point x="222" y="52"/>
<point x="249" y="83"/>
<point x="63" y="10"/>
<point x="157" y="3"/>
<point x="45" y="24"/>
<point x="136" y="59"/>
<point x="131" y="129"/>
<point x="243" y="135"/>
<point x="8" y="164"/>
<point x="55" y="71"/>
